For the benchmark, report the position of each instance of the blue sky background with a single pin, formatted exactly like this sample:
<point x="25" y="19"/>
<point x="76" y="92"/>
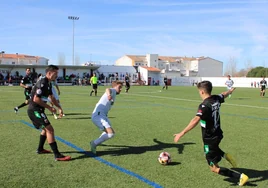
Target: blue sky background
<point x="109" y="29"/>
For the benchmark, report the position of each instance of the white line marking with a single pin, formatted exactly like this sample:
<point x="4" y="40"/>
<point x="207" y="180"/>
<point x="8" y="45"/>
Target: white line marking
<point x="190" y="100"/>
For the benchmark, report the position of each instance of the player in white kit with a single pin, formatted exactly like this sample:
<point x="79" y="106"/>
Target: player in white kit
<point x="100" y="114"/>
<point x="56" y="96"/>
<point x="229" y="83"/>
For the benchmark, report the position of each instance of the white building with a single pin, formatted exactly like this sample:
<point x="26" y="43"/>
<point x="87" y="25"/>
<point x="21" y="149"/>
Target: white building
<point x="172" y="66"/>
<point x="22" y="59"/>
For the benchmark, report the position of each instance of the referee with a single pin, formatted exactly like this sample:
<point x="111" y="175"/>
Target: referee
<point x="94" y="83"/>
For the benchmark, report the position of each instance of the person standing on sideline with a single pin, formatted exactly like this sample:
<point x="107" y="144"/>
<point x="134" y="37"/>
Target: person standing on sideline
<point x="36" y="112"/>
<point x="100" y="114"/>
<point x="165" y="83"/>
<point x="27" y="84"/>
<point x="208" y="115"/>
<point x="263" y="85"/>
<point x="127" y="83"/>
<point x="229" y="83"/>
<point x="94" y="83"/>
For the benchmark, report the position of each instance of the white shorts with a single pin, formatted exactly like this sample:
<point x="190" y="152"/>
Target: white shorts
<point x="101" y="121"/>
<point x="228" y="88"/>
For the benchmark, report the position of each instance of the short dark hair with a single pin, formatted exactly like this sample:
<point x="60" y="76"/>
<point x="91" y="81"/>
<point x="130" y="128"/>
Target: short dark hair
<point x="28" y="68"/>
<point x="51" y="68"/>
<point x="206" y="86"/>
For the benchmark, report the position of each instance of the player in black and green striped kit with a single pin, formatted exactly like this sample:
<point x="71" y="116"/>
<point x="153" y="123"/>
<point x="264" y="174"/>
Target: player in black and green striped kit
<point x="94" y="83"/>
<point x="208" y="115"/>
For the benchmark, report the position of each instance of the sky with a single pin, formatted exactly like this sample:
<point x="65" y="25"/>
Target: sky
<point x="109" y="29"/>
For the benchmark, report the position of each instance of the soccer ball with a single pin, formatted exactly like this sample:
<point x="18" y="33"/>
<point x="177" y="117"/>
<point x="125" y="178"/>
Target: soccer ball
<point x="164" y="158"/>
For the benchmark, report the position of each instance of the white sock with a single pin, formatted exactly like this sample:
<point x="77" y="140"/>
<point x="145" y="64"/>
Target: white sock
<point x="102" y="134"/>
<point x="103" y="137"/>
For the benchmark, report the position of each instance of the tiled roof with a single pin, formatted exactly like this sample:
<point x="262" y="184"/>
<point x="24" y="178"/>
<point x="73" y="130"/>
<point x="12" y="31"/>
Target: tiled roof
<point x="16" y="56"/>
<point x="140" y="58"/>
<point x="152" y="69"/>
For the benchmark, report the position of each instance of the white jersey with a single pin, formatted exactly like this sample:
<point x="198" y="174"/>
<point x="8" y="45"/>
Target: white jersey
<point x="104" y="105"/>
<point x="229" y="83"/>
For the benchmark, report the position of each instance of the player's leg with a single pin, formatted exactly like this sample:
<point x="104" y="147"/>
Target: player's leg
<point x="104" y="124"/>
<point x="263" y="92"/>
<point x="27" y="97"/>
<point x="214" y="155"/>
<point x="37" y="121"/>
<point x="96" y="89"/>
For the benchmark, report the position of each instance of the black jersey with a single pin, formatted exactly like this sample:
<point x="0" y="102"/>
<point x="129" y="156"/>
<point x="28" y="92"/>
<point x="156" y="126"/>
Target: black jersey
<point x="165" y="80"/>
<point x="126" y="79"/>
<point x="209" y="112"/>
<point x="263" y="83"/>
<point x="41" y="89"/>
<point x="27" y="81"/>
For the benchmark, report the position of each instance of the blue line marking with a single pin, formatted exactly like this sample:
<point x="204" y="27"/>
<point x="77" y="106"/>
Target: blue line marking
<point x="153" y="184"/>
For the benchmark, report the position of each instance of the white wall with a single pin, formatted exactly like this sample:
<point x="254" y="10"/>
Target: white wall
<point x="216" y="81"/>
<point x="210" y="67"/>
<point x="124" y="61"/>
<point x="152" y="60"/>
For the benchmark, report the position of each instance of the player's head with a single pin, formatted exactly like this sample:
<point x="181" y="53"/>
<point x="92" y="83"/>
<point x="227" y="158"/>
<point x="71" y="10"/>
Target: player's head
<point x="263" y="77"/>
<point x="229" y="76"/>
<point x="204" y="87"/>
<point x="52" y="72"/>
<point x="117" y="85"/>
<point x="28" y="71"/>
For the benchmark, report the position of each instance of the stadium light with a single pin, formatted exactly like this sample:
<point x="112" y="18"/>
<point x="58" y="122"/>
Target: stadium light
<point x="73" y="18"/>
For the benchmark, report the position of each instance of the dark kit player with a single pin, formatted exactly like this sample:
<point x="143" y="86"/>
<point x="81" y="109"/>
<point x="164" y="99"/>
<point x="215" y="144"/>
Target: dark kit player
<point x="208" y="115"/>
<point x="36" y="112"/>
<point x="27" y="84"/>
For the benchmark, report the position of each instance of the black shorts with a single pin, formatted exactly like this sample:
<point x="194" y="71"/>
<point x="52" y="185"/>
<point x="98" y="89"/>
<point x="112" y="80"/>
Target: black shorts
<point x="127" y="85"/>
<point x="38" y="118"/>
<point x="27" y="94"/>
<point x="213" y="152"/>
<point x="263" y="88"/>
<point x="95" y="86"/>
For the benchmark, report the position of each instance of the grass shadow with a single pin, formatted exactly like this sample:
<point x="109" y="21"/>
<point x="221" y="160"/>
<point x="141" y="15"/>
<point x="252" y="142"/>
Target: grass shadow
<point x="254" y="176"/>
<point x="118" y="150"/>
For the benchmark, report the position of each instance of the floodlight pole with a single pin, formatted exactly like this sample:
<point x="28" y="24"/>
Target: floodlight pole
<point x="73" y="18"/>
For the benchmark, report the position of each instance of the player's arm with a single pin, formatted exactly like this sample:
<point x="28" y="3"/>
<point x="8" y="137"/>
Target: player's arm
<point x="23" y="85"/>
<point x="189" y="127"/>
<point x="226" y="93"/>
<point x="109" y="93"/>
<point x="37" y="99"/>
<point x="58" y="89"/>
<point x="55" y="102"/>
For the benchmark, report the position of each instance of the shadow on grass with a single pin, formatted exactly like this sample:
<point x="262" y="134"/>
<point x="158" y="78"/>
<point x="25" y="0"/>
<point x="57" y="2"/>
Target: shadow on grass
<point x="127" y="150"/>
<point x="254" y="176"/>
<point x="84" y="154"/>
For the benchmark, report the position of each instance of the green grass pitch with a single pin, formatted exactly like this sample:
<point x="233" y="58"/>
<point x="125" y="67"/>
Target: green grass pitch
<point x="144" y="121"/>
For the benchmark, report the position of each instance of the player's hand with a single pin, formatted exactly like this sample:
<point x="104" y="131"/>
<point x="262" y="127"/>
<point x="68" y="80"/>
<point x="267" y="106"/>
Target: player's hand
<point x="110" y="97"/>
<point x="177" y="137"/>
<point x="52" y="109"/>
<point x="60" y="113"/>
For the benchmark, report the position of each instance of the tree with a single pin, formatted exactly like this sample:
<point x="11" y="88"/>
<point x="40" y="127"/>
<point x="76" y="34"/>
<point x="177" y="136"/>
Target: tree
<point x="231" y="68"/>
<point x="257" y="72"/>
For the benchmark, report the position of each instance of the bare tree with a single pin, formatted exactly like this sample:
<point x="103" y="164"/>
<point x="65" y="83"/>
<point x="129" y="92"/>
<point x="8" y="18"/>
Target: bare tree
<point x="61" y="58"/>
<point x="231" y="67"/>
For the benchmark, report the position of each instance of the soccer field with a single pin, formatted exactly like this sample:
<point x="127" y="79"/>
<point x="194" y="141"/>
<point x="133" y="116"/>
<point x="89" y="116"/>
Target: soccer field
<point x="144" y="121"/>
